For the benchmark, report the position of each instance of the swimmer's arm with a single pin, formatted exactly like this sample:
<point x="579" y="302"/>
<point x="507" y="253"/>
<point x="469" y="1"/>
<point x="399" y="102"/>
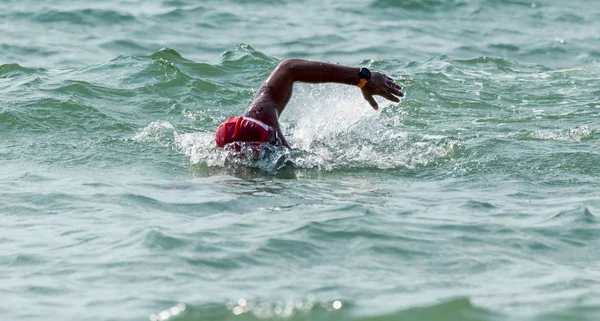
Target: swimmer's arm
<point x="280" y="82"/>
<point x="281" y="137"/>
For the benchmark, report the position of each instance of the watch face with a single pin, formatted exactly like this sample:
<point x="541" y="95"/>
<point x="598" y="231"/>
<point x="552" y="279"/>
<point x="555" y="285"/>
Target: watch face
<point x="365" y="73"/>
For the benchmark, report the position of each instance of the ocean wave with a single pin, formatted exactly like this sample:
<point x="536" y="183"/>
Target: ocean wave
<point x="47" y="114"/>
<point x="16" y="70"/>
<point x="314" y="309"/>
<point x="416" y="5"/>
<point x="575" y="134"/>
<point x="87" y="17"/>
<point x="329" y="126"/>
<point x="181" y="11"/>
<point x="159" y="131"/>
<point x="126" y="45"/>
<point x="246" y="59"/>
<point x="577" y="216"/>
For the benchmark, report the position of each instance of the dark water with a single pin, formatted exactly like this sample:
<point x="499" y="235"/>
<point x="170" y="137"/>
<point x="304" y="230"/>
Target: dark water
<point x="474" y="198"/>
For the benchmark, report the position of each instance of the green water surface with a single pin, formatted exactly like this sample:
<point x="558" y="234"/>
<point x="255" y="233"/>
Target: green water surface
<point x="474" y="198"/>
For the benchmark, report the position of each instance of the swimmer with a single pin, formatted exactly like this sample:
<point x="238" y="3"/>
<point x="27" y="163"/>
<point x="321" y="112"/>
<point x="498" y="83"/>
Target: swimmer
<point x="260" y="122"/>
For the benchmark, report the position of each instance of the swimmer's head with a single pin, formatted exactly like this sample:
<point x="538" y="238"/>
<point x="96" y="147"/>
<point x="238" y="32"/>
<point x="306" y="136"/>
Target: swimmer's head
<point x="224" y="133"/>
<point x="242" y="129"/>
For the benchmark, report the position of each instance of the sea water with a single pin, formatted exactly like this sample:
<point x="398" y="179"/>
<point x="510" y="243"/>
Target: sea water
<point x="474" y="198"/>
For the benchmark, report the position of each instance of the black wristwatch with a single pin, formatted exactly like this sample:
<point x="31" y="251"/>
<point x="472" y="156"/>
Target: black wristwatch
<point x="365" y="76"/>
<point x="364" y="73"/>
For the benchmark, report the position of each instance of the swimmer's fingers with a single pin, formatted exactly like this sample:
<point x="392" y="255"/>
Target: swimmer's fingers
<point x="384" y="83"/>
<point x="394" y="85"/>
<point x="395" y="91"/>
<point x="389" y="96"/>
<point x="390" y="81"/>
<point x="370" y="99"/>
<point x="381" y="85"/>
<point x="389" y="92"/>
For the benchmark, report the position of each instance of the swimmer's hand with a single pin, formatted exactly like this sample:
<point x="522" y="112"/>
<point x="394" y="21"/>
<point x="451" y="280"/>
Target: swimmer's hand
<point x="381" y="85"/>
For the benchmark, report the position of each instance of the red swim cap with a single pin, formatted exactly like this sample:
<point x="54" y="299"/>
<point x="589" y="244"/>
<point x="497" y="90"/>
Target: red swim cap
<point x="243" y="129"/>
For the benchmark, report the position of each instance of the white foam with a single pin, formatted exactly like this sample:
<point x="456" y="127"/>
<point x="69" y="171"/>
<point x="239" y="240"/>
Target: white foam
<point x="200" y="147"/>
<point x="329" y="127"/>
<point x="338" y="128"/>
<point x="573" y="134"/>
<point x="156" y="130"/>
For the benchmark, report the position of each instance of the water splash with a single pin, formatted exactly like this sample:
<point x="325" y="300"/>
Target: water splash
<point x="338" y="129"/>
<point x="330" y="127"/>
<point x="574" y="134"/>
<point x="158" y="131"/>
<point x="200" y="148"/>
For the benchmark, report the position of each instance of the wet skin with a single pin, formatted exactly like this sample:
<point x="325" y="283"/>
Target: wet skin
<point x="274" y="94"/>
